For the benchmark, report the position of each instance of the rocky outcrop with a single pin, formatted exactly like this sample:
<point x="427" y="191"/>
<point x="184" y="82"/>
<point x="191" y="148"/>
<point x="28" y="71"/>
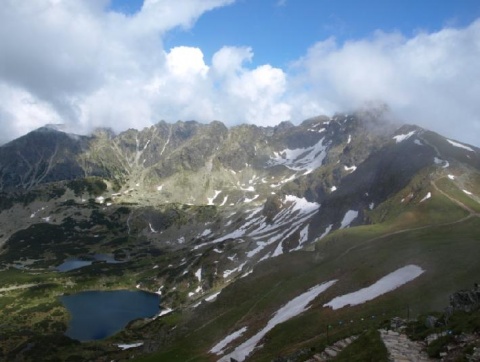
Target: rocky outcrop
<point x="466" y="300"/>
<point x="402" y="349"/>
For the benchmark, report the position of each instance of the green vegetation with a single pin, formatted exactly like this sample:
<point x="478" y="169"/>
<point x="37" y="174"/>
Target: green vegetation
<point x="451" y="189"/>
<point x="439" y="345"/>
<point x="92" y="185"/>
<point x="456" y="245"/>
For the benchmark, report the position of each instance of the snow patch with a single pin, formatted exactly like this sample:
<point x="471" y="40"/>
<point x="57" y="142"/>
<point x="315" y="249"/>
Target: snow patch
<point x="260" y="246"/>
<point x="352" y="168"/>
<point x="386" y="284"/>
<point x="278" y="251"/>
<point x="198" y="274"/>
<point x="210" y="200"/>
<point x="206" y="233"/>
<point x="451" y="177"/>
<point x="459" y="145"/>
<point x="350" y="215"/>
<point x="227" y="273"/>
<point x="36" y="212"/>
<point x="302" y="204"/>
<point x="467" y="192"/>
<point x="212" y="297"/>
<point x="293" y="308"/>
<point x="301" y="159"/>
<point x="218" y="348"/>
<point x="160" y="188"/>
<point x="327" y="230"/>
<point x="303" y="235"/>
<point x="152" y="229"/>
<point x="165" y="311"/>
<point x="333" y="188"/>
<point x="247" y="200"/>
<point x="128" y="346"/>
<point x="427" y="196"/>
<point x="224" y="201"/>
<point x="402" y="137"/>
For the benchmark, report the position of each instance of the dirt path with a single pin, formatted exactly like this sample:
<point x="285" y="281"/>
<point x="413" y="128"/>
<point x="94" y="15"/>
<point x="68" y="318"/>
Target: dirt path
<point x="333" y="350"/>
<point x="402" y="349"/>
<point x="454" y="200"/>
<point x="471" y="214"/>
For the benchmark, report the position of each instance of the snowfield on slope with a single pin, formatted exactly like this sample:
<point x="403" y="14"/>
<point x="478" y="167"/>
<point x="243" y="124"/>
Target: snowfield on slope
<point x="459" y="145"/>
<point x="386" y="284"/>
<point x="218" y="348"/>
<point x="293" y="308"/>
<point x="350" y="215"/>
<point x="292" y="217"/>
<point x="130" y="345"/>
<point x="427" y="196"/>
<point x="301" y="159"/>
<point x="402" y="137"/>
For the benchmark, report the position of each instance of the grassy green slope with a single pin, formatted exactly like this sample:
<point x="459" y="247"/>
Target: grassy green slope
<point x="438" y="235"/>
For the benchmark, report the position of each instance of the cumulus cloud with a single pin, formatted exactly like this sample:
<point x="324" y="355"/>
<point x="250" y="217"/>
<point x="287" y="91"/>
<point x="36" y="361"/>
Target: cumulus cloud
<point x="430" y="79"/>
<point x="79" y="63"/>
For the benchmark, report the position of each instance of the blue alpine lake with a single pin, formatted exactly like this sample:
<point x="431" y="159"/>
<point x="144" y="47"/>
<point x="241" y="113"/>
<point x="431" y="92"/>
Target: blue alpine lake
<point x="75" y="263"/>
<point x="100" y="314"/>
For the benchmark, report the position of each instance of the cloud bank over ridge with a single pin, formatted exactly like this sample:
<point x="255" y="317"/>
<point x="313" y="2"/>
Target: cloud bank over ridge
<point x="80" y="63"/>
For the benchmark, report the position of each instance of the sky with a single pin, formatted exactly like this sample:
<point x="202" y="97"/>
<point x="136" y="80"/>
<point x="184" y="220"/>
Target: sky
<point x="132" y="63"/>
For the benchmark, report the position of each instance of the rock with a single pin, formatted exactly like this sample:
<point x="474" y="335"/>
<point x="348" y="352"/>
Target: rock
<point x="466" y="300"/>
<point x="400" y="348"/>
<point x="431" y="321"/>
<point x="331" y="352"/>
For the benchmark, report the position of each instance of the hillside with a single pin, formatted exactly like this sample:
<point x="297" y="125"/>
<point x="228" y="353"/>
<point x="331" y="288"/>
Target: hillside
<point x="229" y="226"/>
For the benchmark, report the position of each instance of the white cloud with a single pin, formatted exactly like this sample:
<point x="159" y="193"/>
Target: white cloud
<point x="79" y="63"/>
<point x="428" y="80"/>
<point x="229" y="60"/>
<point x="186" y="63"/>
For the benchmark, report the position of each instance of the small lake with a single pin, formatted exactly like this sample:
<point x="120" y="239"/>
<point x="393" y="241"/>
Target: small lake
<point x="76" y="263"/>
<point x="100" y="314"/>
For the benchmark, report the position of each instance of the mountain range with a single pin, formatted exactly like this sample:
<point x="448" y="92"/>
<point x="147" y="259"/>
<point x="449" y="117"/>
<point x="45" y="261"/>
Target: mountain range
<point x="234" y="228"/>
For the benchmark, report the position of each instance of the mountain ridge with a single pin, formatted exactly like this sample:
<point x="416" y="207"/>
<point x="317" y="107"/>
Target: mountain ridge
<point x="171" y="200"/>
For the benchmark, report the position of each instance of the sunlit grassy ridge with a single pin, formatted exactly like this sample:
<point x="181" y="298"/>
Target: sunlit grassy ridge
<point x="436" y="234"/>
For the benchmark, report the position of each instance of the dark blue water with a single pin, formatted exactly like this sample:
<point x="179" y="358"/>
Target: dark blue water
<point x="74" y="263"/>
<point x="100" y="314"/>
